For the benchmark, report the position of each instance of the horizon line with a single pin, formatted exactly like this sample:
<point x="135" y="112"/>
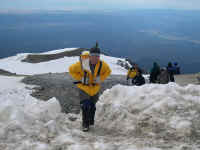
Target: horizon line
<point x="30" y="11"/>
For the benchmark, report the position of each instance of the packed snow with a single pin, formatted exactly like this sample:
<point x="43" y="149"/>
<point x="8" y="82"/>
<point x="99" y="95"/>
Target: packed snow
<point x="59" y="51"/>
<point x="14" y="64"/>
<point x="150" y="117"/>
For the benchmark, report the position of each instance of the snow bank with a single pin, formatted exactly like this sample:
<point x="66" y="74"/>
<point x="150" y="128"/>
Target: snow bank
<point x="15" y="65"/>
<point x="151" y="110"/>
<point x="150" y="117"/>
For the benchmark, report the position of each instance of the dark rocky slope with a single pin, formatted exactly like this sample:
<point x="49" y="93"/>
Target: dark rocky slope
<point x="60" y="85"/>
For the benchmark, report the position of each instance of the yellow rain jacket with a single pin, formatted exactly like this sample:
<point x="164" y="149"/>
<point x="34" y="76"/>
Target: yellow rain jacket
<point x="131" y="73"/>
<point x="91" y="89"/>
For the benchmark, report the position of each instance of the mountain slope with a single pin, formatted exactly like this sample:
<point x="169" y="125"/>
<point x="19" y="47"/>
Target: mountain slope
<point x="51" y="62"/>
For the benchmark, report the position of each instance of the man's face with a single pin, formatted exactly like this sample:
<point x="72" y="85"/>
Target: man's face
<point x="135" y="66"/>
<point x="94" y="59"/>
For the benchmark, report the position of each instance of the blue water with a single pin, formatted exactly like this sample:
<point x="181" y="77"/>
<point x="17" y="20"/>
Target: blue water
<point x="144" y="36"/>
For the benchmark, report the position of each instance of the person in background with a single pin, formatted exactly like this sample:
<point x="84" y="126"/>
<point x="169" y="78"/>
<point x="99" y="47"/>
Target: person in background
<point x="171" y="70"/>
<point x="155" y="71"/>
<point x="137" y="68"/>
<point x="131" y="75"/>
<point x="177" y="68"/>
<point x="89" y="73"/>
<point x="139" y="79"/>
<point x="163" y="77"/>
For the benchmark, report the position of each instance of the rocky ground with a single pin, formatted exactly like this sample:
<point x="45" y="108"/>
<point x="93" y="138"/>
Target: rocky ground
<point x="185" y="79"/>
<point x="60" y="85"/>
<point x="6" y="73"/>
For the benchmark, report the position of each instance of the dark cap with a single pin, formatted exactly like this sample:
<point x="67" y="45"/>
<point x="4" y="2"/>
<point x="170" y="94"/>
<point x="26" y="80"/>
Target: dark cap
<point x="95" y="51"/>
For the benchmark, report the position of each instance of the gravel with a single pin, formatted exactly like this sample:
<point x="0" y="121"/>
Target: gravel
<point x="60" y="85"/>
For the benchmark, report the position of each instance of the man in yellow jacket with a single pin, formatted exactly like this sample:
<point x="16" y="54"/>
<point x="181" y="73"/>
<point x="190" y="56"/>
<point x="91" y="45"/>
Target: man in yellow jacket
<point x="89" y="72"/>
<point x="131" y="74"/>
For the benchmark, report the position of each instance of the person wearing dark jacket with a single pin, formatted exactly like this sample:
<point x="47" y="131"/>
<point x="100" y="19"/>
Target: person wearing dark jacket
<point x="171" y="70"/>
<point x="177" y="68"/>
<point x="132" y="72"/>
<point x="131" y="75"/>
<point x="155" y="71"/>
<point x="163" y="77"/>
<point x="139" y="79"/>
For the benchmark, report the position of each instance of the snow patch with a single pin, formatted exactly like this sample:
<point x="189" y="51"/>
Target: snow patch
<point x="14" y="64"/>
<point x="58" y="51"/>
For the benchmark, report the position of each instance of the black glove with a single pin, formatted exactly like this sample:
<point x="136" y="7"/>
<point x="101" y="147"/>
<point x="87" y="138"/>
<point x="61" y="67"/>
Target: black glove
<point x="77" y="82"/>
<point x="84" y="81"/>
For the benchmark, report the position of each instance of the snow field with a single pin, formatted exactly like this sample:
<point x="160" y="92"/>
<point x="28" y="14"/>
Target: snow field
<point x="14" y="64"/>
<point x="128" y="118"/>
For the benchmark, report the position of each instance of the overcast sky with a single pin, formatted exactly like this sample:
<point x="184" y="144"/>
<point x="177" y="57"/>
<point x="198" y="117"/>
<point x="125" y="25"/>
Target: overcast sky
<point x="97" y="4"/>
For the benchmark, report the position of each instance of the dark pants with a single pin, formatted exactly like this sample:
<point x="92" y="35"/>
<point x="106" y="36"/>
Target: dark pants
<point x="88" y="107"/>
<point x="171" y="77"/>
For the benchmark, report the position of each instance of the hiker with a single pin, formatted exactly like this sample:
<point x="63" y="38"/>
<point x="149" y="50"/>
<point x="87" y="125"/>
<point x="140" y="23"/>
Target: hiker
<point x="89" y="72"/>
<point x="131" y="75"/>
<point x="155" y="71"/>
<point x="177" y="68"/>
<point x="139" y="79"/>
<point x="163" y="77"/>
<point x="137" y="68"/>
<point x="171" y="70"/>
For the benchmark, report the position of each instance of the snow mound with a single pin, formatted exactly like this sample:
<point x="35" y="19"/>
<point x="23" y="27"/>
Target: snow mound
<point x="157" y="111"/>
<point x="45" y="110"/>
<point x="150" y="117"/>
